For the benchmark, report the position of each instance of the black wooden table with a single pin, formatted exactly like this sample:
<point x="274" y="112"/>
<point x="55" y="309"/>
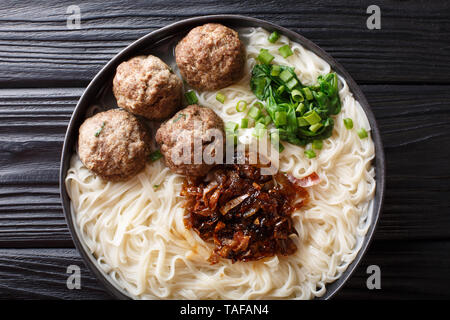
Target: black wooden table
<point x="403" y="68"/>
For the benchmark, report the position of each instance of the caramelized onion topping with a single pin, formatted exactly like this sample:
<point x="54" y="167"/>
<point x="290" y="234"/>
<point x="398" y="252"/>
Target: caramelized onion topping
<point x="246" y="214"/>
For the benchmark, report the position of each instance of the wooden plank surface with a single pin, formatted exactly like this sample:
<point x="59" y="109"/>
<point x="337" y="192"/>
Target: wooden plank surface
<point x="37" y="48"/>
<point x="404" y="69"/>
<point x="405" y="273"/>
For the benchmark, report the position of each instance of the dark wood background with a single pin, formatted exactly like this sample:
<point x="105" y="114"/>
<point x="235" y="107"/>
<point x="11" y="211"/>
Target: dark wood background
<point x="404" y="70"/>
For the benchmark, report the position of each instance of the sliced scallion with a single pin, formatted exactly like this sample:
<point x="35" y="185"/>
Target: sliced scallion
<point x="231" y="126"/>
<point x="285" y="51"/>
<point x="254" y="112"/>
<point x="302" y="122"/>
<point x="275" y="72"/>
<point x="286" y="75"/>
<point x="301" y="108"/>
<point x="315" y="127"/>
<point x="100" y="130"/>
<point x="181" y="115"/>
<point x="291" y="83"/>
<point x="317" y="144"/>
<point x="297" y="95"/>
<point x="241" y="106"/>
<point x="362" y="133"/>
<point x="348" y="123"/>
<point x="155" y="155"/>
<point x="244" y="123"/>
<point x="265" y="57"/>
<point x="307" y="93"/>
<point x="275" y="140"/>
<point x="312" y="117"/>
<point x="232" y="136"/>
<point x="191" y="97"/>
<point x="310" y="154"/>
<point x="260" y="130"/>
<point x="280" y="90"/>
<point x="220" y="97"/>
<point x="258" y="105"/>
<point x="280" y="118"/>
<point x="274" y="36"/>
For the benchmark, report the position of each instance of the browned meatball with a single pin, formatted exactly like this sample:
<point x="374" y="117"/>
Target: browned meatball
<point x="146" y="86"/>
<point x="113" y="144"/>
<point x="177" y="135"/>
<point x="210" y="57"/>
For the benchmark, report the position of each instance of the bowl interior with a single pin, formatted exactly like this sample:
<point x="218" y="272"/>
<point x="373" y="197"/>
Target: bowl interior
<point x="161" y="43"/>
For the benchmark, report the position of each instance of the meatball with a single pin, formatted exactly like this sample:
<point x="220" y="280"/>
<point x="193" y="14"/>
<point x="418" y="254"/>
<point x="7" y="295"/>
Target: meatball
<point x="146" y="86"/>
<point x="210" y="57"/>
<point x="113" y="144"/>
<point x="190" y="137"/>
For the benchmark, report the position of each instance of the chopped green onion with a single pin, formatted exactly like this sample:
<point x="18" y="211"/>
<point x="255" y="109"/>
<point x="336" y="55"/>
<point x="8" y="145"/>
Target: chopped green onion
<point x="285" y="51"/>
<point x="302" y="122"/>
<point x="294" y="140"/>
<point x="275" y="72"/>
<point x="275" y="140"/>
<point x="241" y="106"/>
<point x="181" y="115"/>
<point x="100" y="130"/>
<point x="297" y="95"/>
<point x="320" y="98"/>
<point x="280" y="118"/>
<point x="254" y="112"/>
<point x="191" y="97"/>
<point x="348" y="123"/>
<point x="260" y="125"/>
<point x="362" y="133"/>
<point x="155" y="186"/>
<point x="312" y="117"/>
<point x="317" y="144"/>
<point x="267" y="120"/>
<point x="291" y="83"/>
<point x="286" y="75"/>
<point x="260" y="119"/>
<point x="232" y="136"/>
<point x="307" y="93"/>
<point x="260" y="130"/>
<point x="280" y="90"/>
<point x="258" y="105"/>
<point x="301" y="108"/>
<point x="231" y="126"/>
<point x="274" y="36"/>
<point x="310" y="154"/>
<point x="244" y="123"/>
<point x="265" y="57"/>
<point x="155" y="155"/>
<point x="315" y="127"/>
<point x="220" y="97"/>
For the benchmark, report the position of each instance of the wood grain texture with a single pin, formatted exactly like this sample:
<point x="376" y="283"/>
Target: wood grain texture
<point x="37" y="48"/>
<point x="405" y="272"/>
<point x="414" y="121"/>
<point x="42" y="274"/>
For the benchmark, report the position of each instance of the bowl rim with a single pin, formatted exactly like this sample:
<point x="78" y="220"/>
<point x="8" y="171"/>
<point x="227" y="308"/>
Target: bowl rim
<point x="183" y="26"/>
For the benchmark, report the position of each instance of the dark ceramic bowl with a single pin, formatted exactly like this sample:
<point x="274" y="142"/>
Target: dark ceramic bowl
<point x="161" y="43"/>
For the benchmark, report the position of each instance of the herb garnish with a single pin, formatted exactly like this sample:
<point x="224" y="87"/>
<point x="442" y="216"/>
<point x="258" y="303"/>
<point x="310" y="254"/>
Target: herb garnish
<point x="301" y="114"/>
<point x="155" y="155"/>
<point x="100" y="130"/>
<point x="181" y="115"/>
